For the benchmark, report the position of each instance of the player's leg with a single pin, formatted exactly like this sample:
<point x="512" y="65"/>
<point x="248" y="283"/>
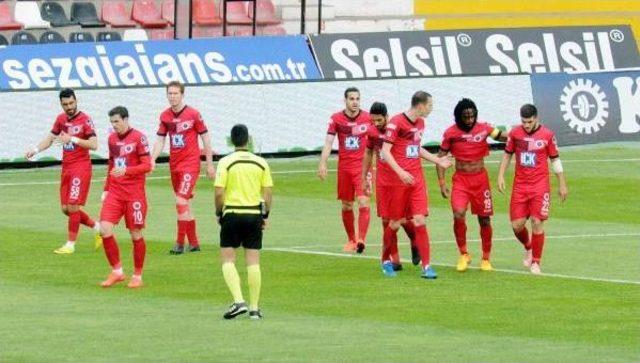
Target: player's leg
<point x="69" y="246"/>
<point x="486" y="236"/>
<point x="364" y="213"/>
<point x="139" y="253"/>
<point x="383" y="199"/>
<point x="460" y="198"/>
<point x="111" y="248"/>
<point x="230" y="229"/>
<point x="519" y="213"/>
<point x="188" y="185"/>
<point x="182" y="213"/>
<point x="81" y="183"/>
<point x="390" y="246"/>
<point x="482" y="206"/>
<point x="409" y="229"/>
<point x="252" y="243"/>
<point x="346" y="192"/>
<point x="72" y="220"/>
<point x="540" y="205"/>
<point x="418" y="207"/>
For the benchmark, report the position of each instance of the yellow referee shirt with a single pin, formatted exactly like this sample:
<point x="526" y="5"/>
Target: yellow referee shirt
<point x="243" y="175"/>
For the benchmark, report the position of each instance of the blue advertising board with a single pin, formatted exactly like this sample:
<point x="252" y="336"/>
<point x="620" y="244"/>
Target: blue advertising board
<point x="149" y="63"/>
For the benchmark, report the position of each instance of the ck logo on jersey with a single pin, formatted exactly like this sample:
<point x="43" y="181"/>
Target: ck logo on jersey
<point x="413" y="151"/>
<point x="528" y="159"/>
<point x="177" y="140"/>
<point x="120" y="162"/>
<point x="68" y="146"/>
<point x="352" y="143"/>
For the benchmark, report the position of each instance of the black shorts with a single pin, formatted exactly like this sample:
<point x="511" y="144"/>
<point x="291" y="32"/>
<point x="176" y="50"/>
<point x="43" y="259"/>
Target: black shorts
<point x="241" y="230"/>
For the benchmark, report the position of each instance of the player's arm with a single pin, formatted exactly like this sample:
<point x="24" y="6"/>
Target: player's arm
<point x="107" y="181"/>
<point x="91" y="143"/>
<point x="43" y="145"/>
<point x="563" y="191"/>
<point x="504" y="165"/>
<point x="267" y="196"/>
<point x="324" y="156"/>
<point x="405" y="176"/>
<point x="208" y="154"/>
<point x="367" y="165"/>
<point x="157" y="149"/>
<point x="436" y="159"/>
<point x="444" y="189"/>
<point x="499" y="135"/>
<point x="219" y="198"/>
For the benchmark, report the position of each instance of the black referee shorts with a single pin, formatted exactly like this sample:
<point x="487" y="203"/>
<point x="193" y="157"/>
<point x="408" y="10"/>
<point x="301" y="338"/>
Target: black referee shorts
<point x="241" y="230"/>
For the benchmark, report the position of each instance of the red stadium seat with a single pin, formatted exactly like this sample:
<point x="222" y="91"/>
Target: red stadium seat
<point x="205" y="14"/>
<point x="7" y="22"/>
<point x="168" y="11"/>
<point x="266" y="13"/>
<point x="161" y="34"/>
<point x="115" y="13"/>
<point x="147" y="14"/>
<point x="273" y="30"/>
<point x="207" y="32"/>
<point x="236" y="13"/>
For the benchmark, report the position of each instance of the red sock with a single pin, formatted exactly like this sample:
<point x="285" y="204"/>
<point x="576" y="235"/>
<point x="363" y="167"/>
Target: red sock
<point x="523" y="237"/>
<point x="73" y="226"/>
<point x="183" y="226"/>
<point x="388" y="238"/>
<point x="422" y="243"/>
<point x="460" y="231"/>
<point x="537" y="243"/>
<point x="348" y="222"/>
<point x="139" y="251"/>
<point x="191" y="233"/>
<point x="112" y="251"/>
<point x="86" y="220"/>
<point x="409" y="229"/>
<point x="486" y="232"/>
<point x="363" y="222"/>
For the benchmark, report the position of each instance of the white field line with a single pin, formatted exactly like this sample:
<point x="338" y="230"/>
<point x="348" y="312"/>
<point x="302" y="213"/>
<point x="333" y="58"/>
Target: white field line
<point x="495" y="239"/>
<point x="562" y="276"/>
<point x="273" y="172"/>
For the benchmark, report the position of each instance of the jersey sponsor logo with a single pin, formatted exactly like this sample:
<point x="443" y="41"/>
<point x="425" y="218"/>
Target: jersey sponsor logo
<point x="120" y="162"/>
<point x="352" y="142"/>
<point x="412" y="151"/>
<point x="68" y="146"/>
<point x="177" y="141"/>
<point x="528" y="159"/>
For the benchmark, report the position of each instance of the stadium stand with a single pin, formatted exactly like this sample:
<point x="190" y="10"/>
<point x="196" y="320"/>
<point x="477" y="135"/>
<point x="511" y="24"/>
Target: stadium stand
<point x="161" y="34"/>
<point x="51" y="36"/>
<point x="53" y="12"/>
<point x="80" y="37"/>
<point x="236" y="13"/>
<point x="266" y="11"/>
<point x="147" y="14"/>
<point x="86" y="15"/>
<point x="116" y="14"/>
<point x="108" y="37"/>
<point x="28" y="13"/>
<point x="135" y="35"/>
<point x="23" y="38"/>
<point x="205" y="13"/>
<point x="168" y="11"/>
<point x="7" y="21"/>
<point x="208" y="32"/>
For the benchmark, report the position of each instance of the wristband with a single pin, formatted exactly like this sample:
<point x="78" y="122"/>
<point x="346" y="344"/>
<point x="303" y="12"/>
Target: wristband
<point x="74" y="139"/>
<point x="442" y="182"/>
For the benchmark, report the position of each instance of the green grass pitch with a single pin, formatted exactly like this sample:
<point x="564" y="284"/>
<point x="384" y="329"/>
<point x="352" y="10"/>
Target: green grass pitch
<point x="322" y="305"/>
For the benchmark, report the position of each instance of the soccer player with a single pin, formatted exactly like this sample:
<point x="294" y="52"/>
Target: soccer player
<point x="466" y="140"/>
<point x="533" y="144"/>
<point x="183" y="124"/>
<point x="243" y="201"/>
<point x="74" y="130"/>
<point x="402" y="151"/>
<point x="351" y="126"/>
<point x="124" y="195"/>
<point x="375" y="139"/>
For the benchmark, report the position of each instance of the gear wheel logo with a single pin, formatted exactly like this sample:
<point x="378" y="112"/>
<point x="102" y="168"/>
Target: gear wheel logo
<point x="584" y="106"/>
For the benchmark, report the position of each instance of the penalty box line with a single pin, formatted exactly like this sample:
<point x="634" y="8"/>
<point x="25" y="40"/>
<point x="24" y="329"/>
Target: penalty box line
<point x="561" y="276"/>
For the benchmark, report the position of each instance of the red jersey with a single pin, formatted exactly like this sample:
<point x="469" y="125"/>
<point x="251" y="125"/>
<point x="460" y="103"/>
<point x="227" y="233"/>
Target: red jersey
<point x="80" y="126"/>
<point x="406" y="137"/>
<point x="375" y="139"/>
<point x="532" y="153"/>
<point x="127" y="151"/>
<point x="183" y="128"/>
<point x="467" y="146"/>
<point x="352" y="134"/>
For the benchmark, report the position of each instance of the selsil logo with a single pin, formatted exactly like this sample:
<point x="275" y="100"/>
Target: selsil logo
<point x="584" y="106"/>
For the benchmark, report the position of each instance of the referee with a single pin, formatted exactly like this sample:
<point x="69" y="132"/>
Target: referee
<point x="243" y="200"/>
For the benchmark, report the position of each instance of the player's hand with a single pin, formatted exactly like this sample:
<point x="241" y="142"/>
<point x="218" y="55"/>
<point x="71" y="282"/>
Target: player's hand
<point x="265" y="224"/>
<point x="322" y="171"/>
<point x="444" y="191"/>
<point x="406" y="177"/>
<point x="30" y="154"/>
<point x="104" y="196"/>
<point x="501" y="185"/>
<point x="211" y="172"/>
<point x="64" y="137"/>
<point x="563" y="191"/>
<point x="118" y="172"/>
<point x="444" y="162"/>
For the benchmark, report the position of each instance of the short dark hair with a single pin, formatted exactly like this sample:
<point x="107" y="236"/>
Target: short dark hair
<point x="378" y="108"/>
<point x="419" y="97"/>
<point x="239" y="135"/>
<point x="176" y="84"/>
<point x="119" y="110"/>
<point x="528" y="110"/>
<point x="66" y="93"/>
<point x="349" y="90"/>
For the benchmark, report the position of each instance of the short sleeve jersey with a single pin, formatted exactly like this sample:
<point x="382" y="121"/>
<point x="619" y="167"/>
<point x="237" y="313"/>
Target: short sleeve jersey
<point x="126" y="151"/>
<point x="183" y="129"/>
<point x="406" y="137"/>
<point x="375" y="139"/>
<point x="352" y="138"/>
<point x="532" y="151"/>
<point x="243" y="175"/>
<point x="467" y="146"/>
<point x="80" y="126"/>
